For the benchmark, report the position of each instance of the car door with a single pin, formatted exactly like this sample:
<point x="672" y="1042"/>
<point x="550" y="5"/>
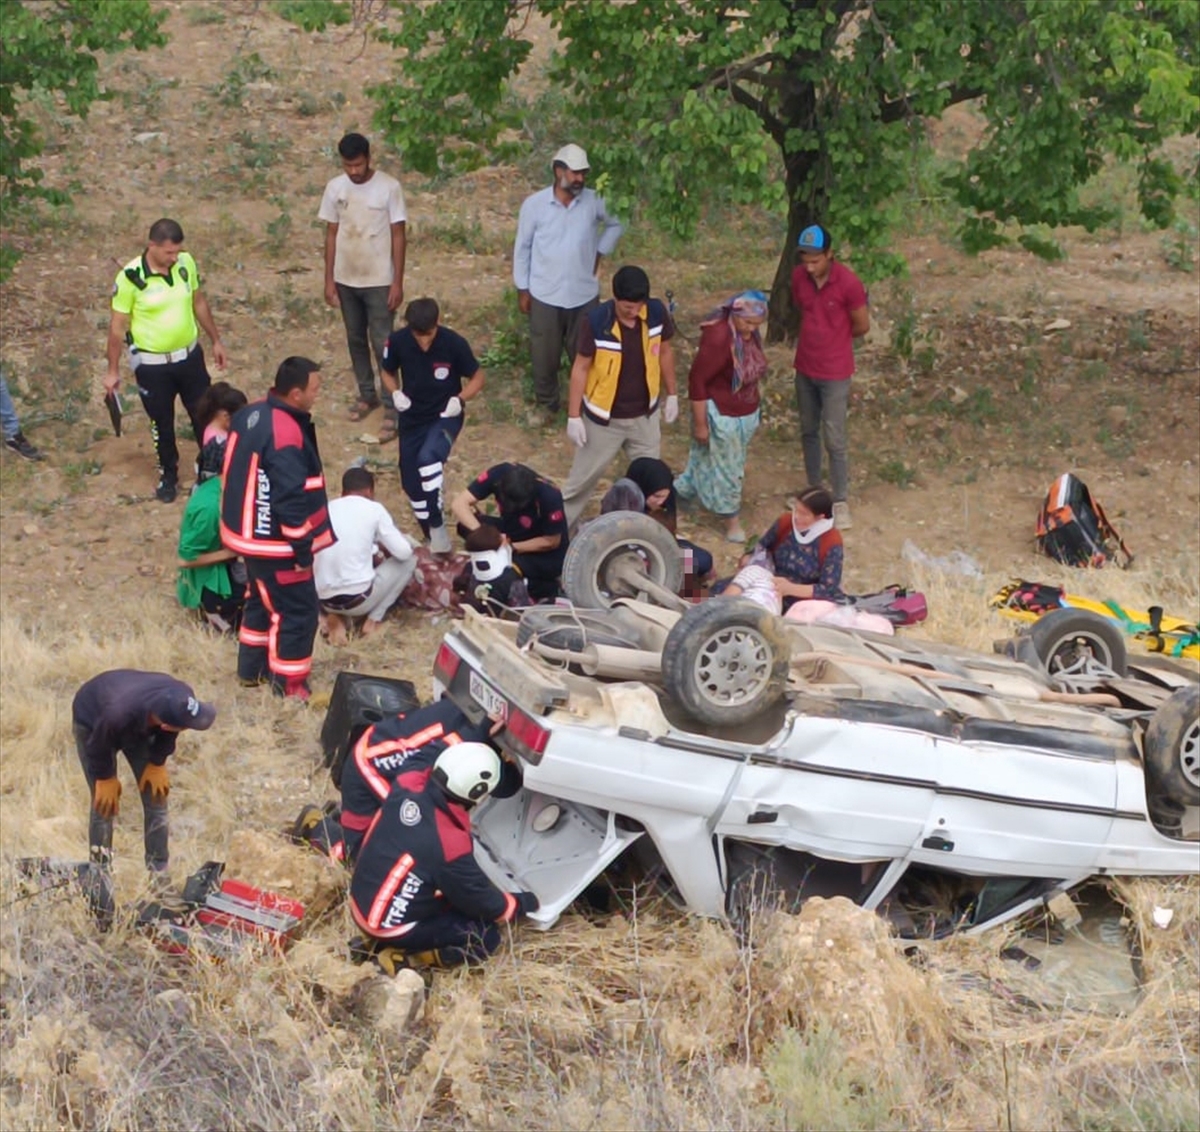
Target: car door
<point x="838" y="788"/>
<point x="1002" y="808"/>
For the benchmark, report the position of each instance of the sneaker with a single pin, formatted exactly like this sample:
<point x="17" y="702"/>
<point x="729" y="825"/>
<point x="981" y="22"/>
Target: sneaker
<point x="167" y="490"/>
<point x="841" y="516"/>
<point x="439" y="540"/>
<point x="18" y="444"/>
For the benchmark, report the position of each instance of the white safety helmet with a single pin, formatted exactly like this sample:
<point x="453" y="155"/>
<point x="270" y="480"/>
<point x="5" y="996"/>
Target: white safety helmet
<point x="468" y="771"/>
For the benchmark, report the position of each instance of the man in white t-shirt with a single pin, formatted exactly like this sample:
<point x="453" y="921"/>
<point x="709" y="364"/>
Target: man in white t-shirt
<point x="362" y="575"/>
<point x="364" y="216"/>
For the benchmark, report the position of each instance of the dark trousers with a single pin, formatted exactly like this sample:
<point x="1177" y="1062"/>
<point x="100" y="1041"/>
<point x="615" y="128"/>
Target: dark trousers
<point x="279" y="622"/>
<point x="154" y="813"/>
<point x="223" y="613"/>
<point x="542" y="572"/>
<point x="368" y="324"/>
<point x="424" y="450"/>
<point x="158" y="387"/>
<point x="551" y="329"/>
<point x="823" y="408"/>
<point x="456" y="938"/>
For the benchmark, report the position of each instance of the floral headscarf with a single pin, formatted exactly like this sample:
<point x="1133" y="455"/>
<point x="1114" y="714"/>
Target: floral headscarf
<point x="749" y="361"/>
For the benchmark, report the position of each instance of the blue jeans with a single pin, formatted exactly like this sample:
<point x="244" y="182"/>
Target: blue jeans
<point x="8" y="414"/>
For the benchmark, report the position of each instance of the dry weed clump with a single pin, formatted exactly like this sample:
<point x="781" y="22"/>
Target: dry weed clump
<point x="636" y="1019"/>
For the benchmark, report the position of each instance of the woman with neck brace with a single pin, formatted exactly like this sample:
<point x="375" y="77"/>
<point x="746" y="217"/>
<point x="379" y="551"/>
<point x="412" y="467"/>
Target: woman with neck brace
<point x="803" y="550"/>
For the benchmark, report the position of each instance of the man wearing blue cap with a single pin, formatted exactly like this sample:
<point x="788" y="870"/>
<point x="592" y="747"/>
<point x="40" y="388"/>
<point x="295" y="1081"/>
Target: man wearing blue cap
<point x="139" y="714"/>
<point x="833" y="312"/>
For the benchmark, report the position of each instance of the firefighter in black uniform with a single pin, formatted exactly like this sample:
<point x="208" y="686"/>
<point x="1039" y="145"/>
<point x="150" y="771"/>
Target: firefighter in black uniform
<point x="417" y="892"/>
<point x="409" y="741"/>
<point x="274" y="513"/>
<point x="141" y="715"/>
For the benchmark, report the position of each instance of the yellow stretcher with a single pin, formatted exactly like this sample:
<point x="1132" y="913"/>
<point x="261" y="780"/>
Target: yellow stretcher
<point x="1155" y="630"/>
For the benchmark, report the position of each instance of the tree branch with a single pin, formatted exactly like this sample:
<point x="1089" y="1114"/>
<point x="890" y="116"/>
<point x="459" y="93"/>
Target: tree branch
<point x="900" y="108"/>
<point x="725" y="76"/>
<point x="773" y="125"/>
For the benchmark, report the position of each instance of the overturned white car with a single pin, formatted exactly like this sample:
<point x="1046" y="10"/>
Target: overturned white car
<point x="739" y="756"/>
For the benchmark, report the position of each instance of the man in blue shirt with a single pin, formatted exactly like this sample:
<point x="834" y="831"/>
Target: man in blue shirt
<point x="424" y="367"/>
<point x="562" y="232"/>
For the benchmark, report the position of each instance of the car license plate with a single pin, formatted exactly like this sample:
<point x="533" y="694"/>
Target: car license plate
<point x="487" y="697"/>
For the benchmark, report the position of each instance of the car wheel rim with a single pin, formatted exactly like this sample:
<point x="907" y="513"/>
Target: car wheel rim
<point x="1189" y="754"/>
<point x="734" y="666"/>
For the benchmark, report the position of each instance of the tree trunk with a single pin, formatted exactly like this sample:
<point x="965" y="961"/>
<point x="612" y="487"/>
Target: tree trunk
<point x="806" y="200"/>
<point x="782" y="325"/>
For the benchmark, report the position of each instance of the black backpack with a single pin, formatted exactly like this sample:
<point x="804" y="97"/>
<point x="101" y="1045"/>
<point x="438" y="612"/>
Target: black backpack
<point x="1073" y="529"/>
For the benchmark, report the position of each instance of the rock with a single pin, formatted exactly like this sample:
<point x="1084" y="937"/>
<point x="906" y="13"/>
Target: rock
<point x="1118" y="415"/>
<point x="392" y="1006"/>
<point x="148" y="136"/>
<point x="30" y="529"/>
<point x="1057" y="324"/>
<point x="957" y="395"/>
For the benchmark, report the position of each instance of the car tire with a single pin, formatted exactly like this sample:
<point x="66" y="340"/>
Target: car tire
<point x="726" y="661"/>
<point x="1064" y="637"/>
<point x="1171" y="748"/>
<point x="573" y="629"/>
<point x="587" y="569"/>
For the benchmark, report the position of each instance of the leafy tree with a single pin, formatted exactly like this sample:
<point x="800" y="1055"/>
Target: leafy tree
<point x="681" y="100"/>
<point x="51" y="46"/>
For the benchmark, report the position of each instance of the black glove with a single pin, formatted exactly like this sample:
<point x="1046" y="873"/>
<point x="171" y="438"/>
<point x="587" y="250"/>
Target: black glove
<point x="527" y="902"/>
<point x="302" y="556"/>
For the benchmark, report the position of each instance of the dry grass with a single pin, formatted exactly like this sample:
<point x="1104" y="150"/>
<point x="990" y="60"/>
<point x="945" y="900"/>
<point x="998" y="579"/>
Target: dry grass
<point x="638" y="1019"/>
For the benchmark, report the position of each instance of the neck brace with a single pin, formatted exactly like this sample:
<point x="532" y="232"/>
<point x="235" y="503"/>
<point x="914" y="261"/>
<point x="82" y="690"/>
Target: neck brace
<point x="813" y="533"/>
<point x="488" y="565"/>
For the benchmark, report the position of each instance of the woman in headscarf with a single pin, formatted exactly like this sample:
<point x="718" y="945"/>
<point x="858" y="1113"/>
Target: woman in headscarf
<point x="803" y="550"/>
<point x="657" y="483"/>
<point x="723" y="387"/>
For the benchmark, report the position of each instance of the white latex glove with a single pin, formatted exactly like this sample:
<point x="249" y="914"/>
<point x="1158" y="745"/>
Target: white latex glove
<point x="453" y="408"/>
<point x="576" y="433"/>
<point x="671" y="409"/>
<point x="401" y="400"/>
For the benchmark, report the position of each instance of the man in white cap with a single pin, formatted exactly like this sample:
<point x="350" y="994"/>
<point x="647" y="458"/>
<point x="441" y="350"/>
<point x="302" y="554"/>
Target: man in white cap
<point x="562" y="232"/>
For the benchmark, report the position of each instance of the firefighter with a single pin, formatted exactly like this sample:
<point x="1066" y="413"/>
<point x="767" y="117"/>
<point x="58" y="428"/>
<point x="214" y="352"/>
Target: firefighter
<point x="139" y="714"/>
<point x="408" y="741"/>
<point x="274" y="513"/>
<point x="417" y="891"/>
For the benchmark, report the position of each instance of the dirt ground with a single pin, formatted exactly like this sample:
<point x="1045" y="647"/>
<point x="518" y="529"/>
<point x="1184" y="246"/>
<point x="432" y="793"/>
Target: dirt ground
<point x="953" y="445"/>
<point x="981" y="381"/>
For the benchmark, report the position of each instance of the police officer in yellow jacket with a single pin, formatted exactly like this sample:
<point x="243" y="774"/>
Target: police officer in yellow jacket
<point x="157" y="309"/>
<point x="624" y="364"/>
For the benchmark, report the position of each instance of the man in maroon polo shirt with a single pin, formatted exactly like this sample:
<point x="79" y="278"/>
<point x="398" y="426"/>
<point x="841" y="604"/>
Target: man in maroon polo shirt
<point x="833" y="312"/>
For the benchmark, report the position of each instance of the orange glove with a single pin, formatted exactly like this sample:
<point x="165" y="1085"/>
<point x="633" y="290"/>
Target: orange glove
<point x="106" y="797"/>
<point x="154" y="779"/>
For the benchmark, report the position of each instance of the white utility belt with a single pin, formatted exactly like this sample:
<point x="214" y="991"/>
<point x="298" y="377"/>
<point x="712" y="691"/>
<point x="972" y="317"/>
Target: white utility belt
<point x="142" y="358"/>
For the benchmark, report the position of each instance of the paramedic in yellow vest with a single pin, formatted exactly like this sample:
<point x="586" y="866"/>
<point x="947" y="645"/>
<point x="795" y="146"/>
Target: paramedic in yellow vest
<point x="157" y="309"/>
<point x="624" y="370"/>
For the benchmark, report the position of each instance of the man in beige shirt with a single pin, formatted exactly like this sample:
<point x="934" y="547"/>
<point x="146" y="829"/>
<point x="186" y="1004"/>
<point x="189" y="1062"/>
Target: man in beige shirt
<point x="365" y="217"/>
